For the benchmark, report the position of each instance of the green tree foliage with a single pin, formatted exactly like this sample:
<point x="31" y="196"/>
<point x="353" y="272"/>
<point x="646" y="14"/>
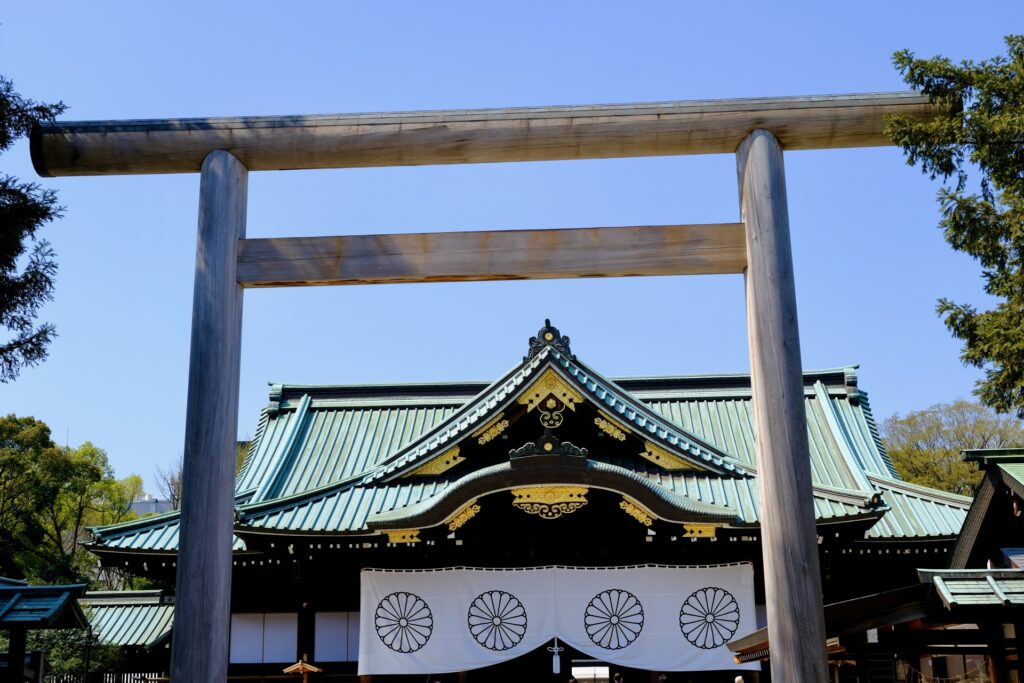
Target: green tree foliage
<point x="27" y="266"/>
<point x="66" y="651"/>
<point x="925" y="445"/>
<point x="980" y="136"/>
<point x="49" y="496"/>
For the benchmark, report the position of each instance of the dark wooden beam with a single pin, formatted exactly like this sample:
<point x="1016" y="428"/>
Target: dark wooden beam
<point x="467" y="136"/>
<point x="492" y="255"/>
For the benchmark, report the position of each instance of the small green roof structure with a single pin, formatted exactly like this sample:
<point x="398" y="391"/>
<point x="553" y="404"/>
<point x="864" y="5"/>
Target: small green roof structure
<point x="137" y="619"/>
<point x="24" y="607"/>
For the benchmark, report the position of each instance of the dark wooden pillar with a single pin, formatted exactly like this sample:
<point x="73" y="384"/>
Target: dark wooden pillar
<point x="792" y="578"/>
<point x="15" y="656"/>
<point x="202" y="610"/>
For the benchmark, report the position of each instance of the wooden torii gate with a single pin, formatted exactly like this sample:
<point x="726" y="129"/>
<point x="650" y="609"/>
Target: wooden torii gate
<point x="224" y="150"/>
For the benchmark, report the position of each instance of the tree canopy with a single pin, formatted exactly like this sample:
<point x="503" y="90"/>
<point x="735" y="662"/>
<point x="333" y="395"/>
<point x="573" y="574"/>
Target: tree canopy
<point x="49" y="496"/>
<point x="27" y="266"/>
<point x="977" y="148"/>
<point x="925" y="445"/>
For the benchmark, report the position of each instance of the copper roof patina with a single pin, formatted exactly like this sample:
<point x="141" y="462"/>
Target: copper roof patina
<point x="337" y="460"/>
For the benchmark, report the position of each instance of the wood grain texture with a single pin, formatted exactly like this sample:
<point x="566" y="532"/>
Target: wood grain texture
<point x="493" y="255"/>
<point x="792" y="579"/>
<point x="202" y="610"/>
<point x="467" y="136"/>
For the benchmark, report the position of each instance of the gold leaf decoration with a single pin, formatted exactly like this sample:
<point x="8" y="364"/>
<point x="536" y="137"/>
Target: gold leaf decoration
<point x="441" y="463"/>
<point x="610" y="427"/>
<point x="467" y="513"/>
<point x="403" y="535"/>
<point x="636" y="511"/>
<point x="550" y="502"/>
<point x="550" y="383"/>
<point x="699" y="530"/>
<point x="669" y="461"/>
<point x="492" y="430"/>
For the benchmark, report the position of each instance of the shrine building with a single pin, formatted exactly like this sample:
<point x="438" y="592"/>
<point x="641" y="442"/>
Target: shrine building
<point x="550" y="519"/>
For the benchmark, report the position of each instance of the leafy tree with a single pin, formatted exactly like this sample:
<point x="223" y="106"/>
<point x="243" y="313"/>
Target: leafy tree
<point x="26" y="281"/>
<point x="49" y="496"/>
<point x="66" y="651"/>
<point x="23" y="440"/>
<point x="979" y="135"/>
<point x="925" y="445"/>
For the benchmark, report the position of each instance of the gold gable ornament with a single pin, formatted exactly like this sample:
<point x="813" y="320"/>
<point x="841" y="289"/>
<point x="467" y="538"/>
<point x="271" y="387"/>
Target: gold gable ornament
<point x="700" y="530"/>
<point x="438" y="465"/>
<point x="403" y="535"/>
<point x="492" y="430"/>
<point x="610" y="427"/>
<point x="669" y="461"/>
<point x="550" y="502"/>
<point x="551" y="394"/>
<point x="636" y="511"/>
<point x="466" y="513"/>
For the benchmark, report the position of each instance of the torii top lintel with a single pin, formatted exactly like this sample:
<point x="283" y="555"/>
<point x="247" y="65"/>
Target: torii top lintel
<point x="468" y="135"/>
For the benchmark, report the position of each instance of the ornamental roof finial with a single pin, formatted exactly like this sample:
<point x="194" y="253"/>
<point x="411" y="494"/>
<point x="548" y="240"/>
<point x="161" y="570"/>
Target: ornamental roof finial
<point x="549" y="336"/>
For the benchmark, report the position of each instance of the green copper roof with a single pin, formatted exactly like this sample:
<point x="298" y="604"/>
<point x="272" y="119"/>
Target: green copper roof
<point x="967" y="588"/>
<point x="130" y="618"/>
<point x="329" y="459"/>
<point x="158" y="534"/>
<point x="36" y="607"/>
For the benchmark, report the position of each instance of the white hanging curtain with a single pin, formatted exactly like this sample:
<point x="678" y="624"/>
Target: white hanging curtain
<point x="659" y="618"/>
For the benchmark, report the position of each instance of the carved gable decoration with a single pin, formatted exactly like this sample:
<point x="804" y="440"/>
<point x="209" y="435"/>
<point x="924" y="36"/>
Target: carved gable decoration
<point x="550" y="385"/>
<point x="549" y="336"/>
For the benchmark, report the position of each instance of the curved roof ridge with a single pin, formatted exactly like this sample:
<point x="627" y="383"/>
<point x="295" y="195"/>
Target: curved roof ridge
<point x="921" y="490"/>
<point x="705" y="451"/>
<point x="470" y="414"/>
<point x="309" y="494"/>
<point x="403" y="515"/>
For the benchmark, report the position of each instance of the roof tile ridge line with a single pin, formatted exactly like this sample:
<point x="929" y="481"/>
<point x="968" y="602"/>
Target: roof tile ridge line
<point x="727" y="461"/>
<point x="816" y="374"/>
<point x="853" y="495"/>
<point x="807" y="375"/>
<point x="648" y="412"/>
<point x="262" y="506"/>
<point x="272" y="483"/>
<point x="657" y="489"/>
<point x="832" y="420"/>
<point x="920" y="489"/>
<point x="261" y="428"/>
<point x="102" y="530"/>
<point x="532" y="365"/>
<point x="864" y="404"/>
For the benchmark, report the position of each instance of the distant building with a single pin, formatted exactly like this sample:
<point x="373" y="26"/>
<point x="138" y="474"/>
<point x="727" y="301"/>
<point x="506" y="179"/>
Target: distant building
<point x="148" y="505"/>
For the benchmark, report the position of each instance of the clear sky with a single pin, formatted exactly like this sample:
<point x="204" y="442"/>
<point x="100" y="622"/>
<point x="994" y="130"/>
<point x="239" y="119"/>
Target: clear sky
<point x="870" y="262"/>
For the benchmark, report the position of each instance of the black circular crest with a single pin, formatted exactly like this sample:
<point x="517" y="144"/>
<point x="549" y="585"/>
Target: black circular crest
<point x="403" y="622"/>
<point x="497" y="620"/>
<point x="614" y="619"/>
<point x="709" y="617"/>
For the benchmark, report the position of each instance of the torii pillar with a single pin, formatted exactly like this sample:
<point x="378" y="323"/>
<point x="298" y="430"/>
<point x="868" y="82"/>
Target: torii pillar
<point x="792" y="579"/>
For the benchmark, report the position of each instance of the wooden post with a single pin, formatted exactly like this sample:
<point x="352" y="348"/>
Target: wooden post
<point x="202" y="609"/>
<point x="792" y="579"/>
<point x="16" y="656"/>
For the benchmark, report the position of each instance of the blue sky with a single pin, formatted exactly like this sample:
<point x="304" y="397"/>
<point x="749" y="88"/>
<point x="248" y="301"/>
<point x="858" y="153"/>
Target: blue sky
<point x="870" y="263"/>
